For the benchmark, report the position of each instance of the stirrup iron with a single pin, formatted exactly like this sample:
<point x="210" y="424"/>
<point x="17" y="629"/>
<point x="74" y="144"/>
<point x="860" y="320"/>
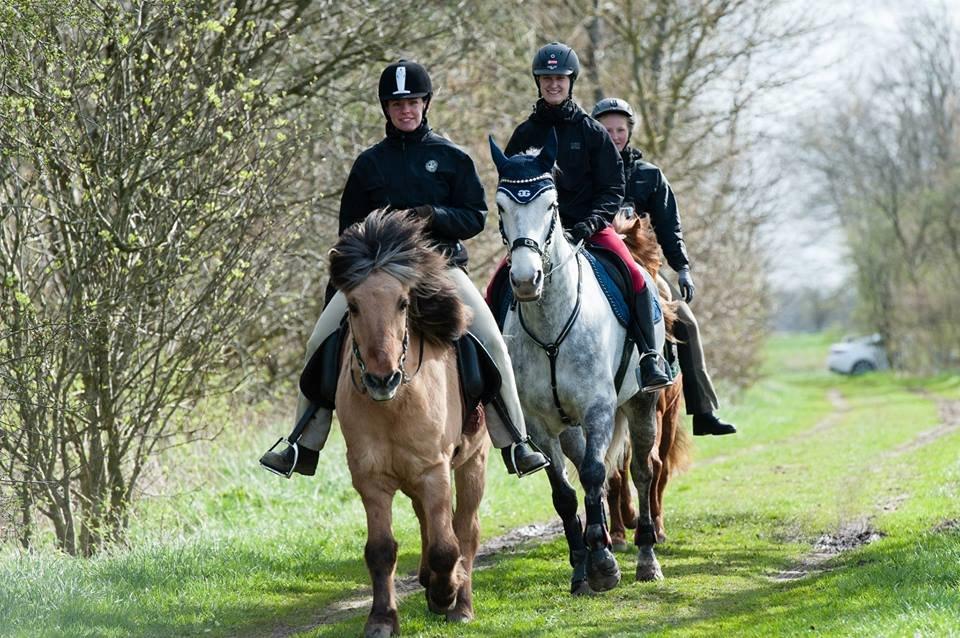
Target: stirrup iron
<point x="666" y="366"/>
<point x="535" y="448"/>
<point x="296" y="457"/>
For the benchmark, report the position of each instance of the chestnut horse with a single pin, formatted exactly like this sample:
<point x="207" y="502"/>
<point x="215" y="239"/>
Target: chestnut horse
<point x="401" y="413"/>
<point x="671" y="451"/>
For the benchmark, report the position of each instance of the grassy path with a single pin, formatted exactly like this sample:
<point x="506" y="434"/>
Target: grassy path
<point x="767" y="529"/>
<point x="756" y="530"/>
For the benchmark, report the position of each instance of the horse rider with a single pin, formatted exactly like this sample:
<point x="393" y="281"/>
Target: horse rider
<point x="417" y="169"/>
<point x="649" y="193"/>
<point x="589" y="186"/>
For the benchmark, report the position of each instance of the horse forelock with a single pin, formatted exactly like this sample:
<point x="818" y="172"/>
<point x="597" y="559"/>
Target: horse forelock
<point x="394" y="242"/>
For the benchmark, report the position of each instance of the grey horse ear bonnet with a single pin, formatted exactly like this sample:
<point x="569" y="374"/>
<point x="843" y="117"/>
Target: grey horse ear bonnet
<point x="524" y="177"/>
<point x="524" y="180"/>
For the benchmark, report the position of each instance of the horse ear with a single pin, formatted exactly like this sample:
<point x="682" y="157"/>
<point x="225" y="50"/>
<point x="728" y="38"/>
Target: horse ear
<point x="548" y="154"/>
<point x="499" y="159"/>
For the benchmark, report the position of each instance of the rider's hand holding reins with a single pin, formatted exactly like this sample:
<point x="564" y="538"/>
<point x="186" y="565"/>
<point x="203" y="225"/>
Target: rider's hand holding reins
<point x="586" y="229"/>
<point x="686" y="284"/>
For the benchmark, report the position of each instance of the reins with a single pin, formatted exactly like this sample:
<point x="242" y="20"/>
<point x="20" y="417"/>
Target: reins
<point x="552" y="349"/>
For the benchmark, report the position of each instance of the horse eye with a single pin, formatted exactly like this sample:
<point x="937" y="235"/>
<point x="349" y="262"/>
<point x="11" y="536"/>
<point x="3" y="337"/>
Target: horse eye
<point x="499" y="208"/>
<point x="403" y="304"/>
<point x="352" y="308"/>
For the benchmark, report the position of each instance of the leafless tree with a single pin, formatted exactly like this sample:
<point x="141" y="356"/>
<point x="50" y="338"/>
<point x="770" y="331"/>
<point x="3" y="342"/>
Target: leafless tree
<point x="887" y="156"/>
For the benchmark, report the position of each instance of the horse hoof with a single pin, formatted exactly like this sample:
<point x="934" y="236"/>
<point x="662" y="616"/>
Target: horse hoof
<point x="580" y="588"/>
<point x="459" y="616"/>
<point x="603" y="572"/>
<point x="380" y="630"/>
<point x="648" y="567"/>
<point x="647" y="573"/>
<point x="441" y="607"/>
<point x="620" y="544"/>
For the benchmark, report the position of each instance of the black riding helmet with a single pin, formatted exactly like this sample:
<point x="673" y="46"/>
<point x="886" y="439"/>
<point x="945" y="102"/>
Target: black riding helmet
<point x="556" y="58"/>
<point x="402" y="80"/>
<point x="609" y="105"/>
<point x="613" y="105"/>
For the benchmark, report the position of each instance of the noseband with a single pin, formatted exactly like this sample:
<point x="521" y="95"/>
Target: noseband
<point x="405" y="378"/>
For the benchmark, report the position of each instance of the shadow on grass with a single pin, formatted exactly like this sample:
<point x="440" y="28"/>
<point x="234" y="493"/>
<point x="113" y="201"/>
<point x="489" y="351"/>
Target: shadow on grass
<point x="196" y="592"/>
<point x="526" y="594"/>
<point x="880" y="581"/>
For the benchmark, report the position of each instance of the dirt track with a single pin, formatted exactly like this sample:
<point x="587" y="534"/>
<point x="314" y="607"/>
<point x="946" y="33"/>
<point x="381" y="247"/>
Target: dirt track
<point x="360" y="603"/>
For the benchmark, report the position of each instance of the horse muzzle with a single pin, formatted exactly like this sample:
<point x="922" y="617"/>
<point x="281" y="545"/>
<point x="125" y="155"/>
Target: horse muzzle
<point x="382" y="388"/>
<point x="527" y="288"/>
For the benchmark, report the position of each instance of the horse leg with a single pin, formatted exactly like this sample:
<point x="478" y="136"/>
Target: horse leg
<point x="470" y="478"/>
<point x="380" y="554"/>
<point x="643" y="433"/>
<point x="628" y="512"/>
<point x="565" y="504"/>
<point x="423" y="571"/>
<point x="618" y="530"/>
<point x="667" y="421"/>
<point x="443" y="549"/>
<point x="603" y="572"/>
<point x="623" y="514"/>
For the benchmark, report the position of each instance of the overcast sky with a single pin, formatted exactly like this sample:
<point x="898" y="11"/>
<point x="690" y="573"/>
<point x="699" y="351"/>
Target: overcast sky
<point x="800" y="243"/>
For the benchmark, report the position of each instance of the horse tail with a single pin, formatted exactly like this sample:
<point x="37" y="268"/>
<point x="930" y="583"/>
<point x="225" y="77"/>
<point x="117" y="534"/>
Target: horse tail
<point x="667" y="305"/>
<point x="613" y="460"/>
<point x="678" y="453"/>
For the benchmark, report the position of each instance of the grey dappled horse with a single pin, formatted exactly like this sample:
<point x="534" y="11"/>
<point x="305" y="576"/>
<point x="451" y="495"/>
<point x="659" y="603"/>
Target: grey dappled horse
<point x="562" y="310"/>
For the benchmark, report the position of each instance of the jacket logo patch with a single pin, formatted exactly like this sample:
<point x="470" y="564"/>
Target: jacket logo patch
<point x="574" y="146"/>
<point x="431" y="166"/>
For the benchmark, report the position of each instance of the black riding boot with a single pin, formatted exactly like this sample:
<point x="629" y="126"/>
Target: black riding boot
<point x="708" y="423"/>
<point x="521" y="457"/>
<point x="651" y="373"/>
<point x="293" y="458"/>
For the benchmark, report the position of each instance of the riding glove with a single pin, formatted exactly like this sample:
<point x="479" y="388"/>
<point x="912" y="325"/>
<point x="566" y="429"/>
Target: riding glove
<point x="686" y="283"/>
<point x="586" y="228"/>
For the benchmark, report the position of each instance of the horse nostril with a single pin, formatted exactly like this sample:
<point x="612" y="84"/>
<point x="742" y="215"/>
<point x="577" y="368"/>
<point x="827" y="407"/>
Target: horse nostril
<point x="377" y="382"/>
<point x="537" y="278"/>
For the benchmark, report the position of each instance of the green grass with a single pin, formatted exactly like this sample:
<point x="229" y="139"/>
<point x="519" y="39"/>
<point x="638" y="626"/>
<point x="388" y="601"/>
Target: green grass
<point x="236" y="551"/>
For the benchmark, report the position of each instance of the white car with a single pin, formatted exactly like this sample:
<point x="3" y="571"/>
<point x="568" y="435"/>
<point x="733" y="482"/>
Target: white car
<point x="857" y="355"/>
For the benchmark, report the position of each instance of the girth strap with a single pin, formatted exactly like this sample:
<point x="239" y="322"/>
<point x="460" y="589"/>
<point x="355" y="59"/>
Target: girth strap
<point x="553" y="349"/>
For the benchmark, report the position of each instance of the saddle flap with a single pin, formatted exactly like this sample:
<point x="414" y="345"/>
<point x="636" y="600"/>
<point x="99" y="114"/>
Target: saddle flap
<point x="613" y="280"/>
<point x="479" y="377"/>
<point x="318" y="381"/>
<point x="617" y="283"/>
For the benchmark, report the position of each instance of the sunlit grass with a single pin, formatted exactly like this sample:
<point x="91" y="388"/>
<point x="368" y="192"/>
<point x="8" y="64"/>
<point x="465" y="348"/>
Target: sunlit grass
<point x="224" y="548"/>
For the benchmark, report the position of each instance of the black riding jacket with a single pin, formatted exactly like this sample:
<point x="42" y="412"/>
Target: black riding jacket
<point x="590" y="179"/>
<point x="419" y="168"/>
<point x="648" y="190"/>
